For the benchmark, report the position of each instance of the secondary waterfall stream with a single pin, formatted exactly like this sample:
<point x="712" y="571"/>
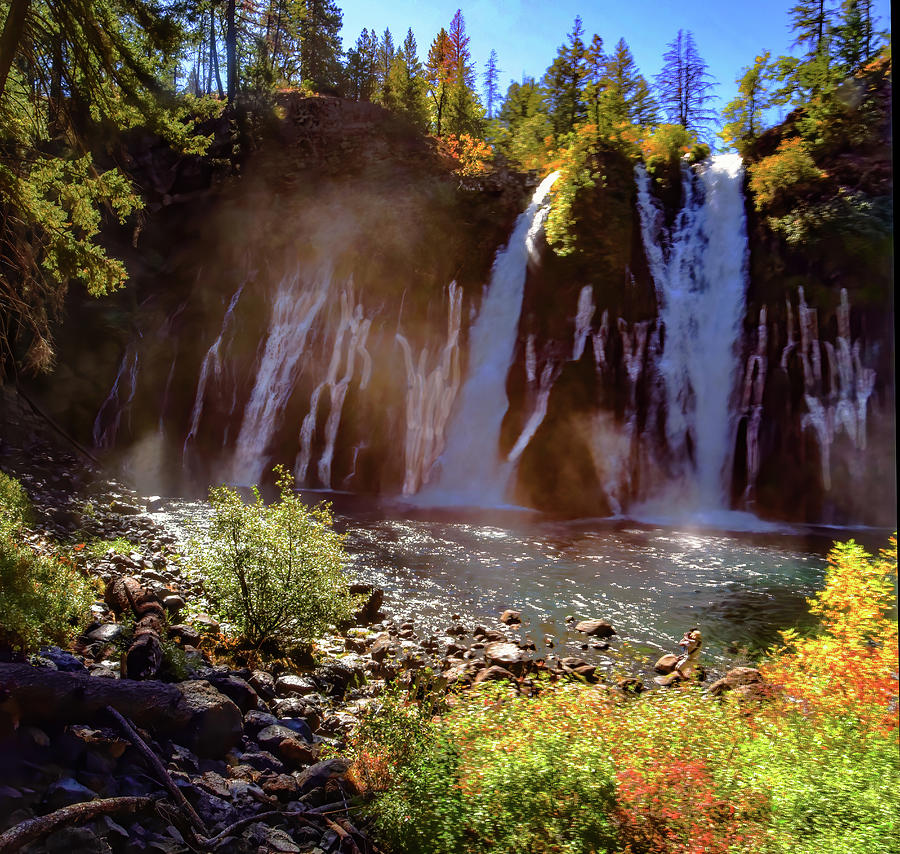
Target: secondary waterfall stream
<point x="470" y="471"/>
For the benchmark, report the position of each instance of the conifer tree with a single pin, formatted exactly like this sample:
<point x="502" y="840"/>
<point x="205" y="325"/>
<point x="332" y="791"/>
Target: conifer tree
<point x="384" y="59"/>
<point x="685" y="86"/>
<point x="439" y="76"/>
<point x="320" y="44"/>
<point x="627" y="95"/>
<point x="564" y="82"/>
<point x="360" y="69"/>
<point x="854" y="39"/>
<point x="491" y="91"/>
<point x="407" y="83"/>
<point x="742" y="117"/>
<point x="463" y="109"/>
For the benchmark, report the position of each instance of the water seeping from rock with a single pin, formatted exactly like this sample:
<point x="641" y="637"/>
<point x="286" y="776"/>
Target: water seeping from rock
<point x="470" y="469"/>
<point x="210" y="371"/>
<point x="699" y="270"/>
<point x="109" y="416"/>
<point x="294" y="310"/>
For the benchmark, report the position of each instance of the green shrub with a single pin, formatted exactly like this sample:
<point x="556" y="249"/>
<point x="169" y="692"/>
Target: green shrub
<point x="787" y="172"/>
<point x="273" y="571"/>
<point x="120" y="546"/>
<point x="15" y="508"/>
<point x="43" y="598"/>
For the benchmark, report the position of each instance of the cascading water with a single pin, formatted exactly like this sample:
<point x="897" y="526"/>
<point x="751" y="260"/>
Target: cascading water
<point x="470" y="470"/>
<point x="293" y="313"/>
<point x="211" y="369"/>
<point x="699" y="270"/>
<point x="120" y="396"/>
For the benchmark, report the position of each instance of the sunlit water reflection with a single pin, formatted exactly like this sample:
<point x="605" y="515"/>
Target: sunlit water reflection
<point x="651" y="582"/>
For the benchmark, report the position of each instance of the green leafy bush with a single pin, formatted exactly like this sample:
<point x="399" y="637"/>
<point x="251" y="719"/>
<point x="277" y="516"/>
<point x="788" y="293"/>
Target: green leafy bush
<point x="43" y="598"/>
<point x="275" y="572"/>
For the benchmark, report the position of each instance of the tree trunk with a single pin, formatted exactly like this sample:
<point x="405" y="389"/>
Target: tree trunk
<point x="144" y="657"/>
<point x="10" y="38"/>
<point x="231" y="50"/>
<point x="35" y="695"/>
<point x="213" y="52"/>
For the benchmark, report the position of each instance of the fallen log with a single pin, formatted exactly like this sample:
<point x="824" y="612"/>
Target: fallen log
<point x="193" y="713"/>
<point x="16" y="838"/>
<point x="144" y="657"/>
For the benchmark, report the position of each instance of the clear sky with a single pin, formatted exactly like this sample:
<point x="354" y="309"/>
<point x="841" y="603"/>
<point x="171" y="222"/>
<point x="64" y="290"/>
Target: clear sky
<point x="526" y="33"/>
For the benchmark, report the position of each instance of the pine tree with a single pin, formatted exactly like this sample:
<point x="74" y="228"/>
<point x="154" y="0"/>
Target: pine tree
<point x="627" y="95"/>
<point x="360" y="69"/>
<point x="525" y="126"/>
<point x="407" y="83"/>
<point x="564" y="82"/>
<point x="491" y="91"/>
<point x="810" y="23"/>
<point x="854" y="40"/>
<point x="685" y="86"/>
<point x="320" y="44"/>
<point x="439" y="75"/>
<point x="384" y="59"/>
<point x="742" y="117"/>
<point x="463" y="109"/>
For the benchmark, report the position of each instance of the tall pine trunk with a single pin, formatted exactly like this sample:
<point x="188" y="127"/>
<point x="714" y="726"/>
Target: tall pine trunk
<point x="231" y="50"/>
<point x="213" y="53"/>
<point x="10" y="38"/>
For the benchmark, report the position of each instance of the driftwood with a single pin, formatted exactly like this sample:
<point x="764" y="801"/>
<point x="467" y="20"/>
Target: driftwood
<point x="144" y="657"/>
<point x="35" y="695"/>
<point x="161" y="773"/>
<point x="16" y="838"/>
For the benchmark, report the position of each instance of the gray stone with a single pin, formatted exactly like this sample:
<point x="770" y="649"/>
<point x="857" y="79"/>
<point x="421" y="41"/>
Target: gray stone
<point x="666" y="664"/>
<point x="506" y="655"/>
<point x="595" y="628"/>
<point x="66" y="791"/>
<point x="107" y="633"/>
<point x="216" y="724"/>
<point x="295" y="686"/>
<point x="511" y="618"/>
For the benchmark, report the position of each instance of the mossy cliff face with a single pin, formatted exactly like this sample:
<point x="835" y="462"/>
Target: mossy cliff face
<point x="345" y="192"/>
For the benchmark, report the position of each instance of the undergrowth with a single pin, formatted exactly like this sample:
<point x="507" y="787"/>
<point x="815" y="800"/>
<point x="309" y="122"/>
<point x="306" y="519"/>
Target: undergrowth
<point x="807" y="764"/>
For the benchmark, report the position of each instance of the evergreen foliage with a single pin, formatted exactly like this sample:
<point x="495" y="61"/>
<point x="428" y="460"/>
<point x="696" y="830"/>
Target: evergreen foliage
<point x="685" y="86"/>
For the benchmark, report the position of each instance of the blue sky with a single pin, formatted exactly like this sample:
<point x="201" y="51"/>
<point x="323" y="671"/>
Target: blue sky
<point x="526" y="34"/>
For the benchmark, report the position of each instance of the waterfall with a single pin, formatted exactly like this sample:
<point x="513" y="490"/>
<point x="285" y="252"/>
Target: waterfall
<point x="104" y="435"/>
<point x="293" y="313"/>
<point x="210" y="368"/>
<point x="699" y="269"/>
<point x="429" y="398"/>
<point x="470" y="470"/>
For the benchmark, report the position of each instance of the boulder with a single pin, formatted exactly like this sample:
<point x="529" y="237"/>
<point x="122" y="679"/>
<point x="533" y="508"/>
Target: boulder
<point x="372" y="599"/>
<point x="255" y="721"/>
<point x="263" y="683"/>
<point x="739" y="677"/>
<point x="185" y="635"/>
<point x="506" y="655"/>
<point x="495" y="673"/>
<point x="236" y="689"/>
<point x="666" y="664"/>
<point x="216" y="722"/>
<point x="595" y="628"/>
<point x="380" y="646"/>
<point x="511" y="618"/>
<point x="322" y="773"/>
<point x="295" y="686"/>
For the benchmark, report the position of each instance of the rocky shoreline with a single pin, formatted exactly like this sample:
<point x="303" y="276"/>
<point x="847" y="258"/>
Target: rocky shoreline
<point x="255" y="752"/>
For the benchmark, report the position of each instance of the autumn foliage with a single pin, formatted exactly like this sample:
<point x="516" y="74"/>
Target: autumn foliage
<point x="810" y="764"/>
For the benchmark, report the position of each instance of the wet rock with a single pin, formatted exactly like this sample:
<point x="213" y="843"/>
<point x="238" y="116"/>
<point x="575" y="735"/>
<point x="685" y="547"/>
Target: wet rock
<point x="595" y="628"/>
<point x="282" y="786"/>
<point x="255" y="721"/>
<point x="241" y="693"/>
<point x="65" y="792"/>
<point x="666" y="664"/>
<point x="739" y="677"/>
<point x="511" y="618"/>
<point x="270" y="839"/>
<point x="630" y="685"/>
<point x="216" y="722"/>
<point x="349" y="672"/>
<point x="270" y="737"/>
<point x="107" y="633"/>
<point x="506" y="655"/>
<point x="263" y="683"/>
<point x="493" y="674"/>
<point x="291" y="686"/>
<point x="373" y="599"/>
<point x="75" y="840"/>
<point x="322" y="773"/>
<point x="174" y="604"/>
<point x="380" y="647"/>
<point x="261" y="760"/>
<point x="64" y="661"/>
<point x="355" y="644"/>
<point x="298" y="726"/>
<point x="297" y="753"/>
